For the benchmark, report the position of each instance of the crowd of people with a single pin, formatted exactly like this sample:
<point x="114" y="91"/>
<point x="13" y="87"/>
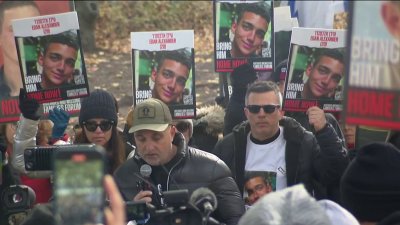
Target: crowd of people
<point x="311" y="177"/>
<point x="264" y="165"/>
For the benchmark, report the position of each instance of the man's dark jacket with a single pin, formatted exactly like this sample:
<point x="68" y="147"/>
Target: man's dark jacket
<point x="331" y="192"/>
<point x="306" y="161"/>
<point x="194" y="169"/>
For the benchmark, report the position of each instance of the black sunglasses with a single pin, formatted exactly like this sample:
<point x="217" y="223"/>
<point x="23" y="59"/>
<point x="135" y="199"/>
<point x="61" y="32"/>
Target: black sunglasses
<point x="104" y="125"/>
<point x="182" y="126"/>
<point x="266" y="108"/>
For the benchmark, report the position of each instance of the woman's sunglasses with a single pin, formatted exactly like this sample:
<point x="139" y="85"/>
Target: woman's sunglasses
<point x="104" y="125"/>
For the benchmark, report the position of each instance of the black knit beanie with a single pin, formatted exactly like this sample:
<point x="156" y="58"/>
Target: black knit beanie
<point x="370" y="186"/>
<point x="100" y="104"/>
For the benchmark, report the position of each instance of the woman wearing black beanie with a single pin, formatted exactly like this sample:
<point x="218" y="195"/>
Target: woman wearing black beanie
<point x="98" y="119"/>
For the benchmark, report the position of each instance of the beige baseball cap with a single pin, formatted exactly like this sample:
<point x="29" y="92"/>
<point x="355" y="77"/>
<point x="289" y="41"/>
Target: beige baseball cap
<point x="151" y="114"/>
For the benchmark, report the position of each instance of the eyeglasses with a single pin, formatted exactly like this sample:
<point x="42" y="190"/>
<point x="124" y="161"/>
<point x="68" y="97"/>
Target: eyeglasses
<point x="104" y="125"/>
<point x="182" y="126"/>
<point x="267" y="108"/>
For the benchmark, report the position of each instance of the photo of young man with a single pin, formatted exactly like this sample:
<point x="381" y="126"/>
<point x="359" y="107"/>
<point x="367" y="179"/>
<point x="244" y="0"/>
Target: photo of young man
<point x="170" y="76"/>
<point x="249" y="30"/>
<point x="256" y="185"/>
<point x="324" y="75"/>
<point x="57" y="59"/>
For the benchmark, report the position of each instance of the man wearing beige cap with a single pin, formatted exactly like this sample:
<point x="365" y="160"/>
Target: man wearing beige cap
<point x="163" y="162"/>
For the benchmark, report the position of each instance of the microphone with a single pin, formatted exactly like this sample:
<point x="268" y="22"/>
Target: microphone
<point x="205" y="200"/>
<point x="145" y="171"/>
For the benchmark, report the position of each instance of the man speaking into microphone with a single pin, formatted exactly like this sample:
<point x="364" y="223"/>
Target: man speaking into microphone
<point x="174" y="165"/>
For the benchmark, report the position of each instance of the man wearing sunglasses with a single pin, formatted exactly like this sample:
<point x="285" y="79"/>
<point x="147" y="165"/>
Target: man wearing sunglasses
<point x="268" y="141"/>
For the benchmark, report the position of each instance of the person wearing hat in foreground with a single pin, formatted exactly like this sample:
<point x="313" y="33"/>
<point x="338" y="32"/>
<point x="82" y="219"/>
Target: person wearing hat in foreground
<point x="174" y="165"/>
<point x="370" y="186"/>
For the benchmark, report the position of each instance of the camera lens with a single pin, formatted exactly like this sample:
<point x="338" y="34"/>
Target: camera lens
<point x="28" y="152"/>
<point x="29" y="165"/>
<point x="17" y="198"/>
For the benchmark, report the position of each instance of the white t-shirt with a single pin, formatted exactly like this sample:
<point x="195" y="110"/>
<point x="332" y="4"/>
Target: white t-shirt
<point x="268" y="157"/>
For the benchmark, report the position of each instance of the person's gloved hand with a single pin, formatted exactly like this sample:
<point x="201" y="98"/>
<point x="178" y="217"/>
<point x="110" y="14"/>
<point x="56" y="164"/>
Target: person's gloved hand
<point x="60" y="119"/>
<point x="316" y="118"/>
<point x="28" y="106"/>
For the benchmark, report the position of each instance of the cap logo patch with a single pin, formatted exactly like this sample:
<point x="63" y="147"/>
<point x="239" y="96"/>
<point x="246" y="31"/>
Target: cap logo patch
<point x="146" y="112"/>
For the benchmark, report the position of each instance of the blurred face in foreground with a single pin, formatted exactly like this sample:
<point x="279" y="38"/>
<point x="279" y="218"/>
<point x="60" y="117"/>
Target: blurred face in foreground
<point x="7" y="42"/>
<point x="390" y="13"/>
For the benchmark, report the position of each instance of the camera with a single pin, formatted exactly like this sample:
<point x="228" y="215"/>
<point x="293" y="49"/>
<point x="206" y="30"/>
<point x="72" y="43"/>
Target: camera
<point x="17" y="198"/>
<point x="136" y="210"/>
<point x="177" y="211"/>
<point x="16" y="201"/>
<point x="40" y="158"/>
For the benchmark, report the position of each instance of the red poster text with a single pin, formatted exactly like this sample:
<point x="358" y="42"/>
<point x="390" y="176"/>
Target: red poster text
<point x="371" y="104"/>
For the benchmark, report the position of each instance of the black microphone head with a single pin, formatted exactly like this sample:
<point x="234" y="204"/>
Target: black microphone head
<point x="145" y="170"/>
<point x="202" y="195"/>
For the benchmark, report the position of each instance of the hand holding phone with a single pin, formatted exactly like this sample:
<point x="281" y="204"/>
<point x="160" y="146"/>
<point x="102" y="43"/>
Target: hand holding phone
<point x="78" y="185"/>
<point x="115" y="215"/>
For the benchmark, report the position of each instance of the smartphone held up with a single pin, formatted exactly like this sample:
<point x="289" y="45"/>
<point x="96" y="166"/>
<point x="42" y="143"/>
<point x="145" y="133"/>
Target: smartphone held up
<point x="78" y="185"/>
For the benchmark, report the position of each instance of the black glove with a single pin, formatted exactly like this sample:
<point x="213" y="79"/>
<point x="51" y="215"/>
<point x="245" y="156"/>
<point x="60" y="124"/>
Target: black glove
<point x="28" y="106"/>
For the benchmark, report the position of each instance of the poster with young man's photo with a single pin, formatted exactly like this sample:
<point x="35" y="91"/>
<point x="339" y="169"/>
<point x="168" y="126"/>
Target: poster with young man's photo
<point x="10" y="78"/>
<point x="243" y="34"/>
<point x="284" y="26"/>
<point x="316" y="69"/>
<point x="163" y="68"/>
<point x="51" y="58"/>
<point x="257" y="184"/>
<point x="373" y="81"/>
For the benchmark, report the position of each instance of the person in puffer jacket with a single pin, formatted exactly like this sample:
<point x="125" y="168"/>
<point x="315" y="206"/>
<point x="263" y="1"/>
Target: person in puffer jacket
<point x="174" y="166"/>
